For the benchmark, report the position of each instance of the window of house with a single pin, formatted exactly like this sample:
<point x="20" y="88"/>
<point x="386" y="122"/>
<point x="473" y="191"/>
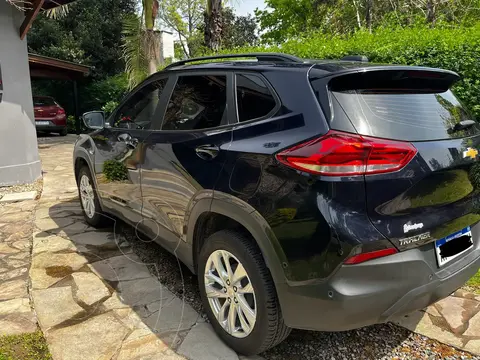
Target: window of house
<point x="254" y="98"/>
<point x="197" y="102"/>
<point x="138" y="112"/>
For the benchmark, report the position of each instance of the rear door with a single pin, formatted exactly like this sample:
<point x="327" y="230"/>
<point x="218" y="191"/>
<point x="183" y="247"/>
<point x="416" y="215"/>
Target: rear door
<point x="183" y="159"/>
<point x="436" y="194"/>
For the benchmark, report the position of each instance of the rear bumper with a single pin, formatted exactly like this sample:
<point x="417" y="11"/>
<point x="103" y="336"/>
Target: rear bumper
<point x="50" y="127"/>
<point x="376" y="291"/>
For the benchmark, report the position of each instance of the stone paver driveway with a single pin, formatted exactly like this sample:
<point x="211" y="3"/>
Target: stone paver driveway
<point x="16" y="223"/>
<point x="93" y="297"/>
<point x="454" y="320"/>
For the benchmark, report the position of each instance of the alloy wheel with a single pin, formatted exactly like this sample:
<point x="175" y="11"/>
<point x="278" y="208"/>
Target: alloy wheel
<point x="87" y="196"/>
<point x="230" y="293"/>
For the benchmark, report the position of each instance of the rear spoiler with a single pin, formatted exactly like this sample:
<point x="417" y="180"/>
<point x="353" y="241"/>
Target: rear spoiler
<point x="394" y="78"/>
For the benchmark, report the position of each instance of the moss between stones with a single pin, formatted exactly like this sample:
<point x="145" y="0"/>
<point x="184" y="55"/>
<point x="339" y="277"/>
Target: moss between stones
<point x="26" y="347"/>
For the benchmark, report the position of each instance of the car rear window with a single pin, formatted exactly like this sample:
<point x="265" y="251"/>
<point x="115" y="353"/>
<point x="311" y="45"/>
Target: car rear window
<point x="41" y="101"/>
<point x="405" y="115"/>
<point x="410" y="106"/>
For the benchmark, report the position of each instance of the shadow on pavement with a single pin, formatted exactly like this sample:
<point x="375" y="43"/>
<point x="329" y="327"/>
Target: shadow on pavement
<point x="120" y="258"/>
<point x="110" y="285"/>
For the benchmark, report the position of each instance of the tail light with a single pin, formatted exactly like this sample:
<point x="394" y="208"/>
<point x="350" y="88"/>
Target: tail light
<point x="344" y="154"/>
<point x="60" y="111"/>
<point x="362" y="257"/>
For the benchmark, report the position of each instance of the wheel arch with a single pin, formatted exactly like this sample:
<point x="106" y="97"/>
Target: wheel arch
<point x="81" y="158"/>
<point x="226" y="211"/>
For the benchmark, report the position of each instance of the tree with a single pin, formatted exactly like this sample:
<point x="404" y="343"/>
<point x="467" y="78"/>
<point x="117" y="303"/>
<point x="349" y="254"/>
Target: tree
<point x="292" y="18"/>
<point x="90" y="34"/>
<point x="184" y="17"/>
<point x="141" y="43"/>
<point x="286" y="19"/>
<point x="213" y="24"/>
<point x="238" y="31"/>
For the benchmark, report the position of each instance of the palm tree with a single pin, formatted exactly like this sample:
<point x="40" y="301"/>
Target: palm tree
<point x="140" y="48"/>
<point x="213" y="24"/>
<point x="54" y="13"/>
<point x="20" y="4"/>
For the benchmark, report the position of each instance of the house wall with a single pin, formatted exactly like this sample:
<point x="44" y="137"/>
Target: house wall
<point x="19" y="160"/>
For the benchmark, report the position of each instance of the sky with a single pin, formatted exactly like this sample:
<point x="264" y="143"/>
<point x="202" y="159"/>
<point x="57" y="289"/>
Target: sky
<point x="244" y="7"/>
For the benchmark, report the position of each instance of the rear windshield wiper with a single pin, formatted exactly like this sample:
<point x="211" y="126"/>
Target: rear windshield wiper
<point x="462" y="125"/>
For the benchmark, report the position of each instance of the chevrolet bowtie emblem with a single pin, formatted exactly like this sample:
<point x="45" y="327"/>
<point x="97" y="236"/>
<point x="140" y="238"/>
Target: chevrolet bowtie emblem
<point x="471" y="153"/>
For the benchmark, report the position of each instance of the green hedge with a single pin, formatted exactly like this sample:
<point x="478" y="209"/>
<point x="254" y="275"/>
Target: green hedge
<point x="456" y="49"/>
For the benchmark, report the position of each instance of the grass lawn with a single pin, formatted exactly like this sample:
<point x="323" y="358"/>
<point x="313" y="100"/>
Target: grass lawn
<point x="24" y="347"/>
<point x="474" y="283"/>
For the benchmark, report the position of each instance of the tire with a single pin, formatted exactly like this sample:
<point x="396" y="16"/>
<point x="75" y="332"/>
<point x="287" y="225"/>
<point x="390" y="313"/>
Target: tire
<point x="269" y="328"/>
<point x="64" y="132"/>
<point x="99" y="218"/>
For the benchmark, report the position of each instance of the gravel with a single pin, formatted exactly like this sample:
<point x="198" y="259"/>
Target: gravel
<point x="386" y="341"/>
<point x="35" y="186"/>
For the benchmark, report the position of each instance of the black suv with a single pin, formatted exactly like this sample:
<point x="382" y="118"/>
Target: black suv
<point x="324" y="195"/>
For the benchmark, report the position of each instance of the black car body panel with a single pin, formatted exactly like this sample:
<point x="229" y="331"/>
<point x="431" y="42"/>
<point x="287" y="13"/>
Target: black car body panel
<point x="306" y="225"/>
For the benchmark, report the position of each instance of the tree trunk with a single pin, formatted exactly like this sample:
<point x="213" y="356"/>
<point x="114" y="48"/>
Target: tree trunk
<point x="152" y="66"/>
<point x="150" y="11"/>
<point x="359" y="21"/>
<point x="368" y="14"/>
<point x="152" y="50"/>
<point x="213" y="25"/>
<point x="431" y="16"/>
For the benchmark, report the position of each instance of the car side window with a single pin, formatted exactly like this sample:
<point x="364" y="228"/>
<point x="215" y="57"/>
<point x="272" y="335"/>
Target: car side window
<point x="138" y="111"/>
<point x="197" y="102"/>
<point x="254" y="98"/>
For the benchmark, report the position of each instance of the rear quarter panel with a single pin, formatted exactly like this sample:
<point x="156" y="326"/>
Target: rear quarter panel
<point x="300" y="209"/>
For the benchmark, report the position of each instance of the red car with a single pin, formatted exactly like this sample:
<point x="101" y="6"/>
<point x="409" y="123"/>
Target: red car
<point x="49" y="116"/>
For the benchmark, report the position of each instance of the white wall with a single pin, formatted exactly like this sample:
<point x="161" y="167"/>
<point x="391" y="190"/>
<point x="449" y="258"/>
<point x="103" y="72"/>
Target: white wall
<point x="167" y="45"/>
<point x="19" y="161"/>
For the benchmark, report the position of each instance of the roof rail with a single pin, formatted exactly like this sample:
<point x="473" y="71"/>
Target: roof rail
<point x="361" y="58"/>
<point x="279" y="57"/>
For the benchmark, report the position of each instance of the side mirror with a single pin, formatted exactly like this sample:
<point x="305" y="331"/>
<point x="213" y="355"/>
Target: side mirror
<point x="94" y="120"/>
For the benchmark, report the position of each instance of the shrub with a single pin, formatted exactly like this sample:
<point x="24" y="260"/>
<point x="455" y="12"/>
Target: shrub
<point x="115" y="170"/>
<point x="99" y="93"/>
<point x="71" y="128"/>
<point x="456" y="49"/>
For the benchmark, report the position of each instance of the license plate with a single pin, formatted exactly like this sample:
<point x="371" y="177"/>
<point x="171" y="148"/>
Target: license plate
<point x="453" y="246"/>
<point x="42" y="122"/>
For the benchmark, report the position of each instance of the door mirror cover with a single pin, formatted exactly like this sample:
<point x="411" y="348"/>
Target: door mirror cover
<point x="94" y="120"/>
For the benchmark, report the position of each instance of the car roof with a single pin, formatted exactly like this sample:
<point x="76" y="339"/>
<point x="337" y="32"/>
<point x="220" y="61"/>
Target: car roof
<point x="322" y="67"/>
<point x="243" y="65"/>
<point x="258" y="61"/>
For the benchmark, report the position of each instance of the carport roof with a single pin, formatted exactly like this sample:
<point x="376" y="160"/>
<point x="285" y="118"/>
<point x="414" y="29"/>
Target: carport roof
<point x="47" y="67"/>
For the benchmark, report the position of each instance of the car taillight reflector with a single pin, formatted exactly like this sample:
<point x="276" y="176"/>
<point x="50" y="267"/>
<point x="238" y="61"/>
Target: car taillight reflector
<point x="344" y="154"/>
<point x="60" y="111"/>
<point x="359" y="258"/>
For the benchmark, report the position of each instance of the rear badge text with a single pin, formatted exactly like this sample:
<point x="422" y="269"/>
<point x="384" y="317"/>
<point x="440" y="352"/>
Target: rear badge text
<point x="414" y="239"/>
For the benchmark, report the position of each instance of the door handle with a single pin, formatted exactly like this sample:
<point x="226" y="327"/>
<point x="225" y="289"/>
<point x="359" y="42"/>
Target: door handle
<point x="207" y="152"/>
